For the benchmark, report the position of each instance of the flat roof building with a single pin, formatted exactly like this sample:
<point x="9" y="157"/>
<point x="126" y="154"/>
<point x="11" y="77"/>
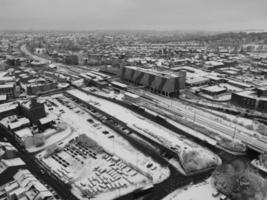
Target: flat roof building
<point x="211" y="65"/>
<point x="119" y="85"/>
<point x="19" y="123"/>
<point x="131" y="98"/>
<point x="238" y="84"/>
<point x="262" y="91"/>
<point x="213" y="90"/>
<point x="46" y="122"/>
<point x="3" y="98"/>
<point x="7" y="109"/>
<point x="196" y="81"/>
<point x="36" y="87"/>
<point x="162" y="82"/>
<point x="253" y="99"/>
<point x="6" y="79"/>
<point x="8" y="89"/>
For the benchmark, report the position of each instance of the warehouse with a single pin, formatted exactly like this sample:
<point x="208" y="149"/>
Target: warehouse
<point x="161" y="82"/>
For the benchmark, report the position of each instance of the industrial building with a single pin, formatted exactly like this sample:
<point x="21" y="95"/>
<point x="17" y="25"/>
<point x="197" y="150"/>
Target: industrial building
<point x="162" y="82"/>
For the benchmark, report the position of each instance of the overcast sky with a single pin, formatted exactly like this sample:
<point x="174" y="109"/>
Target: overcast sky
<point x="133" y="14"/>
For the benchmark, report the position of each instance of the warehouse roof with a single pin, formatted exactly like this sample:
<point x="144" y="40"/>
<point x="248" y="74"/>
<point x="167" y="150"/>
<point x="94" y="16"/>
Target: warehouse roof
<point x="155" y="72"/>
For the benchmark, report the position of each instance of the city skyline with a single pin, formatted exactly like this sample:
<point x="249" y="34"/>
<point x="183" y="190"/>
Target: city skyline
<point x="206" y="15"/>
<point x="133" y="99"/>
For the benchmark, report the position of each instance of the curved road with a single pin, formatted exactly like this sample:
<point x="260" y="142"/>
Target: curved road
<point x="24" y="49"/>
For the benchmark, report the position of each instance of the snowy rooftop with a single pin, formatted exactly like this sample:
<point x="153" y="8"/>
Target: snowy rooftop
<point x="214" y="88"/>
<point x="23" y="133"/>
<point x="155" y="72"/>
<point x="131" y="95"/>
<point x="118" y="83"/>
<point x="5" y="164"/>
<point x="26" y="186"/>
<point x="195" y="80"/>
<point x="251" y="94"/>
<point x="13" y="162"/>
<point x="3" y="97"/>
<point x="20" y="122"/>
<point x="214" y="63"/>
<point x="28" y="103"/>
<point x="239" y="83"/>
<point x="263" y="88"/>
<point x="7" y="85"/>
<point x="213" y="77"/>
<point x="52" y="65"/>
<point x="6" y="78"/>
<point x="47" y="119"/>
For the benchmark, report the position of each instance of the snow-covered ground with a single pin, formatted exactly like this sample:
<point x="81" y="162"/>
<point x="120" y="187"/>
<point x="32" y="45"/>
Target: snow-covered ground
<point x="77" y="118"/>
<point x="94" y="172"/>
<point x="147" y="127"/>
<point x="201" y="191"/>
<point x="212" y="122"/>
<point x="55" y="138"/>
<point x="233" y="118"/>
<point x="237" y="121"/>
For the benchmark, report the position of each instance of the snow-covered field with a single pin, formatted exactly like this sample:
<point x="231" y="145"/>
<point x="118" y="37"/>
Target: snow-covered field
<point x="116" y="145"/>
<point x="77" y="118"/>
<point x="53" y="139"/>
<point x="201" y="191"/>
<point x="150" y="129"/>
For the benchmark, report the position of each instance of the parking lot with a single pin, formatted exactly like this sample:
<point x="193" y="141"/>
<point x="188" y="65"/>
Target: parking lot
<point x="71" y="162"/>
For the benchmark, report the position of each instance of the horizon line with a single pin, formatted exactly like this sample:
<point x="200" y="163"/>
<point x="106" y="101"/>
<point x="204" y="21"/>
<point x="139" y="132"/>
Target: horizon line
<point x="133" y="29"/>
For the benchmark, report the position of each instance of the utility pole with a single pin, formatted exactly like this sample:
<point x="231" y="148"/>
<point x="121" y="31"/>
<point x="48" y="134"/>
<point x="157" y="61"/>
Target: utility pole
<point x="234" y="133"/>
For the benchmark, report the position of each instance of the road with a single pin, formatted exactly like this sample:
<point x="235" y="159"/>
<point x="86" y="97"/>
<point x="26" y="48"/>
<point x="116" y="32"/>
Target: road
<point x="24" y="49"/>
<point x="61" y="68"/>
